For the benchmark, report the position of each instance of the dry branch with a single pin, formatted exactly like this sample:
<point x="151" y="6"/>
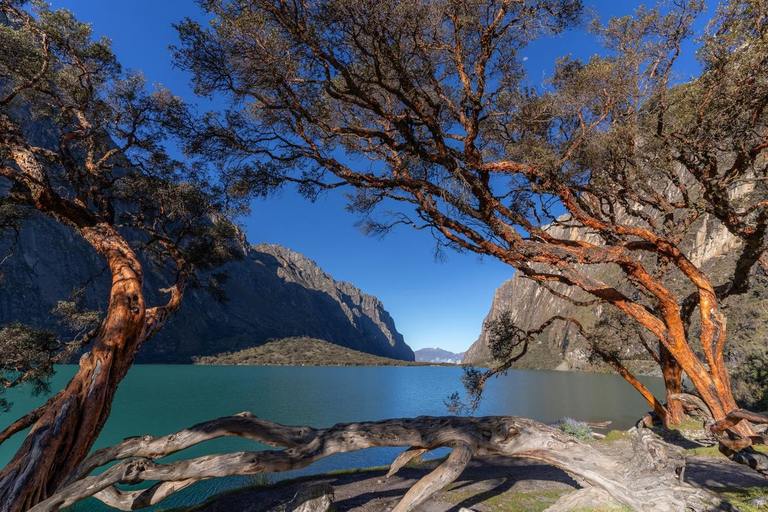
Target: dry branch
<point x="648" y="481"/>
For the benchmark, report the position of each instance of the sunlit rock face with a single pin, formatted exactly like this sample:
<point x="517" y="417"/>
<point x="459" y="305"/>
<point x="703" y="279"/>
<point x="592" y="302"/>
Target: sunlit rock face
<point x="529" y="305"/>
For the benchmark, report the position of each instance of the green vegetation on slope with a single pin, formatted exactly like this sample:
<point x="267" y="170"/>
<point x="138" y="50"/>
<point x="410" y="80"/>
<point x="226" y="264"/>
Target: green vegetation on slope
<point x="300" y="351"/>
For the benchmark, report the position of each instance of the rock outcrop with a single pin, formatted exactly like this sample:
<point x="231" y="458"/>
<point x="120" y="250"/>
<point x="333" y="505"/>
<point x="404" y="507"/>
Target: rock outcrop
<point x="272" y="292"/>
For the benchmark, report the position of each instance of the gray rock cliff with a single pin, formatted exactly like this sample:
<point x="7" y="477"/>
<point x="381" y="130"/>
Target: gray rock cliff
<point x="272" y="292"/>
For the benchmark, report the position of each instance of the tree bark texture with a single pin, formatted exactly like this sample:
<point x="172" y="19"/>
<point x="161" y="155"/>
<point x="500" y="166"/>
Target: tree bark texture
<point x="67" y="426"/>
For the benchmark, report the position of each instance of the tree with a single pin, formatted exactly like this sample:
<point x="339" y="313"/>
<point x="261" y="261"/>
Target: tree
<point x="426" y="104"/>
<point x="649" y="482"/>
<point x="100" y="169"/>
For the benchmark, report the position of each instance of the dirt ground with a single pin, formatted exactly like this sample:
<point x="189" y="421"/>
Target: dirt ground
<point x="490" y="484"/>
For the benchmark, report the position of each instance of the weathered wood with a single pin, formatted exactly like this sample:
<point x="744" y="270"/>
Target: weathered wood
<point x="446" y="473"/>
<point x="738" y="447"/>
<point x="694" y="402"/>
<point x="646" y="481"/>
<point x="404" y="458"/>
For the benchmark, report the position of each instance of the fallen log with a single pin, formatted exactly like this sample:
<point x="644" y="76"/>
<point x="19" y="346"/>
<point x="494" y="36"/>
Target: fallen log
<point x="646" y="481"/>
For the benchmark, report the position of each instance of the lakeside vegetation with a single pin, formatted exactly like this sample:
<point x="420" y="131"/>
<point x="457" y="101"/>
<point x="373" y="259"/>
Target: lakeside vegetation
<point x="303" y="351"/>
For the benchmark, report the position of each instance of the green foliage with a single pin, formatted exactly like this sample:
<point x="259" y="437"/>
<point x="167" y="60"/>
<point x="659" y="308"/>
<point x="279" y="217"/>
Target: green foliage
<point x="432" y="98"/>
<point x="505" y="339"/>
<point x="95" y="141"/>
<point x="750" y="379"/>
<point x="26" y="355"/>
<point x="577" y="429"/>
<point x="473" y="380"/>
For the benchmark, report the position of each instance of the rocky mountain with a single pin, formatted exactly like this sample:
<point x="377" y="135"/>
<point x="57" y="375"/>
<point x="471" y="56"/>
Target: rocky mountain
<point x="271" y="293"/>
<point x="438" y="355"/>
<point x="559" y="346"/>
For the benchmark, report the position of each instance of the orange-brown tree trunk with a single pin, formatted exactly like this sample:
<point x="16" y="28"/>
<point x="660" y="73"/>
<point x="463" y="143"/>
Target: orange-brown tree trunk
<point x="673" y="380"/>
<point x="67" y="429"/>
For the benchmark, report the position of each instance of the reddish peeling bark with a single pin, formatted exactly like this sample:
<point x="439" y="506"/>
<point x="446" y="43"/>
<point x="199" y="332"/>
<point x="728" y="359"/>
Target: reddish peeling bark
<point x="673" y="377"/>
<point x="69" y="425"/>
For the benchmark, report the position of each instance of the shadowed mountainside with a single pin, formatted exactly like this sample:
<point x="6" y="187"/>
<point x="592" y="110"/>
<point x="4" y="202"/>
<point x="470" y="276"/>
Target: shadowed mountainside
<point x="272" y="292"/>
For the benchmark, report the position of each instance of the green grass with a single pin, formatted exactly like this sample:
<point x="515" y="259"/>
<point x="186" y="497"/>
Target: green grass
<point x="613" y="435"/>
<point x="712" y="451"/>
<point x="510" y="501"/>
<point x="739" y="497"/>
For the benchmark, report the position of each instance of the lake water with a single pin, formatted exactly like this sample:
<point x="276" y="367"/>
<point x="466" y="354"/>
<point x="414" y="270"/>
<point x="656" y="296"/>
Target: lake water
<point x="160" y="399"/>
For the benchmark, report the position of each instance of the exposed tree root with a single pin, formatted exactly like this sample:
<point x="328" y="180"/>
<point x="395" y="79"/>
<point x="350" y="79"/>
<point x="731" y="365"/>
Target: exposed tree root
<point x="736" y="447"/>
<point x="739" y="448"/>
<point x="647" y="482"/>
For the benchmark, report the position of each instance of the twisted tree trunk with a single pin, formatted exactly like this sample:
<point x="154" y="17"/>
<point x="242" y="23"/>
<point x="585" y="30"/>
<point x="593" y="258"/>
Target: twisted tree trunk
<point x="673" y="384"/>
<point x="649" y="481"/>
<point x="65" y="428"/>
<point x="68" y="425"/>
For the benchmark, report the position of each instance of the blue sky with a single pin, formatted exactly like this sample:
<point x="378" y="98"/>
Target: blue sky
<point x="434" y="304"/>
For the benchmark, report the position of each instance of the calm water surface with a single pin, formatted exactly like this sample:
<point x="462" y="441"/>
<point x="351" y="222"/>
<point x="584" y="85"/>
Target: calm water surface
<point x="160" y="399"/>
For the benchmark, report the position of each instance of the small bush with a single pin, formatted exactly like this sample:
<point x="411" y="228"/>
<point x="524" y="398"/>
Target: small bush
<point x="577" y="429"/>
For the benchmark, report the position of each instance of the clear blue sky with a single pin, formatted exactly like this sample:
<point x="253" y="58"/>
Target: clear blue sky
<point x="434" y="304"/>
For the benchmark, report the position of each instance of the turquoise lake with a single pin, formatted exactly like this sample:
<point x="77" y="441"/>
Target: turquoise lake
<point x="161" y="399"/>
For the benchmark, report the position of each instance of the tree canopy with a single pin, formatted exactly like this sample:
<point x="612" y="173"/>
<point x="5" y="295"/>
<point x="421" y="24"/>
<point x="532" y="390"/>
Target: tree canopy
<point x="611" y="162"/>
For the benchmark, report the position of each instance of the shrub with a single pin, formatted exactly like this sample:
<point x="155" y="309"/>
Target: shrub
<point x="577" y="429"/>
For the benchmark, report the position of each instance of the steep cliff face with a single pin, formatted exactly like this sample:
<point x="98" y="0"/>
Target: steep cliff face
<point x="529" y="305"/>
<point x="272" y="292"/>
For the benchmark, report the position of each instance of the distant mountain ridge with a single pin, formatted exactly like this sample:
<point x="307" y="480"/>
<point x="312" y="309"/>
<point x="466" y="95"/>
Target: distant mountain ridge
<point x="438" y="355"/>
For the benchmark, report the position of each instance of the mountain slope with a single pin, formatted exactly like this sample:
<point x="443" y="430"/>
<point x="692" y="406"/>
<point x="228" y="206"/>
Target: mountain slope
<point x="299" y="352"/>
<point x="272" y="292"/>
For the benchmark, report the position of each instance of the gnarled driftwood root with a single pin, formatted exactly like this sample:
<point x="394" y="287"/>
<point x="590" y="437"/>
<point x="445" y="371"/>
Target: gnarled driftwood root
<point x="648" y="481"/>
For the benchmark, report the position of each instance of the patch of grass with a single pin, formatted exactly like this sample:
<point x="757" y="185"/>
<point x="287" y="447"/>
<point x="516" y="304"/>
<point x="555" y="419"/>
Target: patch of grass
<point x="616" y="508"/>
<point x="739" y="497"/>
<point x="712" y="451"/>
<point x="260" y="480"/>
<point x="303" y="351"/>
<point x="613" y="435"/>
<point x="688" y="423"/>
<point x="510" y="501"/>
